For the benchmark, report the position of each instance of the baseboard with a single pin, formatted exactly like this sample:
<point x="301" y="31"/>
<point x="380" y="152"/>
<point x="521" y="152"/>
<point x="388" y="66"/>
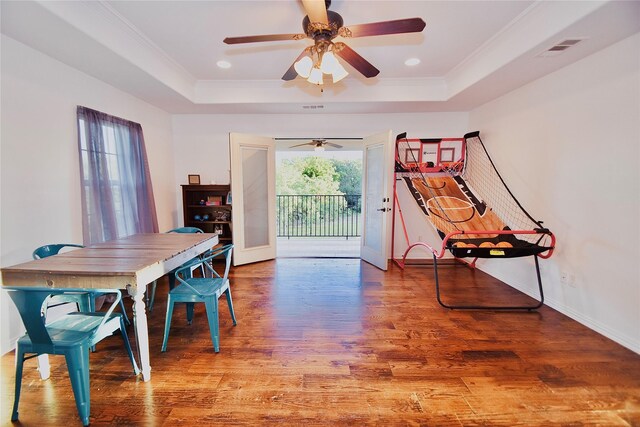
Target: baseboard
<point x="8" y="346"/>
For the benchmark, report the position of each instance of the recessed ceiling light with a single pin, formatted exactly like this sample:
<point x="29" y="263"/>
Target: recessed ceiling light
<point x="411" y="62"/>
<point x="224" y="64"/>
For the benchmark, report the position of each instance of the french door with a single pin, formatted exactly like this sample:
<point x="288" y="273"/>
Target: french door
<point x="254" y="197"/>
<point x="377" y="198"/>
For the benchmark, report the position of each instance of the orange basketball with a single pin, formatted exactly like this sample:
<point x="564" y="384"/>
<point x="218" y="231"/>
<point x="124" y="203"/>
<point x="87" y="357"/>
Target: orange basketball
<point x="459" y="245"/>
<point x="504" y="245"/>
<point x="471" y="245"/>
<point x="486" y="245"/>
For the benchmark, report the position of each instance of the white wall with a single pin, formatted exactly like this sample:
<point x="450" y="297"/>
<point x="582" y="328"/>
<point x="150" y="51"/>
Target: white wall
<point x="202" y="146"/>
<point x="568" y="147"/>
<point x="40" y="187"/>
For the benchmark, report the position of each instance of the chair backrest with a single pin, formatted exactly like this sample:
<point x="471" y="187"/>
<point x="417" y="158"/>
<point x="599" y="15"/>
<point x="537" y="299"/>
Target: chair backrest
<point x="53" y="249"/>
<point x="225" y="251"/>
<point x="29" y="302"/>
<point x="186" y="230"/>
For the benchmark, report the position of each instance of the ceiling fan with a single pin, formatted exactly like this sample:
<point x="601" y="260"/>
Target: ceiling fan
<point x="318" y="144"/>
<point x="322" y="26"/>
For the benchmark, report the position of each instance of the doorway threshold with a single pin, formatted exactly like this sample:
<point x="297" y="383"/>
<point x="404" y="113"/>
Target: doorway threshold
<point x="318" y="247"/>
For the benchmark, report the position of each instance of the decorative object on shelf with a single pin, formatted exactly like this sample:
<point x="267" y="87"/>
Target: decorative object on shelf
<point x="194" y="179"/>
<point x="205" y="217"/>
<point x="214" y="200"/>
<point x="197" y="218"/>
<point x="229" y="198"/>
<point x="218" y="229"/>
<point x="222" y="216"/>
<point x="202" y="202"/>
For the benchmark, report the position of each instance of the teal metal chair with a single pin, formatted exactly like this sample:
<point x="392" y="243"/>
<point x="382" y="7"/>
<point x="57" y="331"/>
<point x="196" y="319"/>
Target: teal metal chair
<point x="186" y="230"/>
<point x="207" y="290"/>
<point x="172" y="280"/>
<point x="71" y="335"/>
<point x="85" y="301"/>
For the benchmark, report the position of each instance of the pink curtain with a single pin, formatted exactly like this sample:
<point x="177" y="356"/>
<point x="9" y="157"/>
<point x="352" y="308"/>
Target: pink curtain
<point x="117" y="195"/>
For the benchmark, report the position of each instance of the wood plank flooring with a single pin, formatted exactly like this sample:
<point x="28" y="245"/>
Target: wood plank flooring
<point x="338" y="342"/>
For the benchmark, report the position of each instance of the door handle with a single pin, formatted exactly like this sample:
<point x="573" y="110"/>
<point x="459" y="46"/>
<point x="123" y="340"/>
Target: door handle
<point x="384" y="209"/>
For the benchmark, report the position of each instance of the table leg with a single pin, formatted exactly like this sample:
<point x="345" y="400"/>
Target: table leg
<point x="44" y="367"/>
<point x="141" y="328"/>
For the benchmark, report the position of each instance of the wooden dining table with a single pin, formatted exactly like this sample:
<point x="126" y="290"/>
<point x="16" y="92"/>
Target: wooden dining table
<point x="129" y="263"/>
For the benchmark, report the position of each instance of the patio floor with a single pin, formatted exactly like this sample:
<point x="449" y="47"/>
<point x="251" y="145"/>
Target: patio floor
<point x="315" y="247"/>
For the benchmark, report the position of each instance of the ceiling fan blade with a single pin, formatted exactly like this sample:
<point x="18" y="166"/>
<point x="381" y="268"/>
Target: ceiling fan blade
<point x="263" y="38"/>
<point x="300" y="145"/>
<point x="409" y="25"/>
<point x="316" y="11"/>
<point x="291" y="72"/>
<point x="358" y="62"/>
<point x="333" y="145"/>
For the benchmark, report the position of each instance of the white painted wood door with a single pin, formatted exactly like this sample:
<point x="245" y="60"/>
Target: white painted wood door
<point x="377" y="198"/>
<point x="253" y="190"/>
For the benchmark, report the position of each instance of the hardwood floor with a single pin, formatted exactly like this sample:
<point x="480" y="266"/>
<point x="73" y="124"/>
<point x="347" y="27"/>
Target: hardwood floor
<point x="338" y="342"/>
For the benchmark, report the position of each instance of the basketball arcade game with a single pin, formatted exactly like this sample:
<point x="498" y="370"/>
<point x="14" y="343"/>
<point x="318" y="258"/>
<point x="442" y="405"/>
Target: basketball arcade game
<point x="458" y="188"/>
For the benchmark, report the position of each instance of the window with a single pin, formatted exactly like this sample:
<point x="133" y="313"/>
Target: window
<point x="117" y="196"/>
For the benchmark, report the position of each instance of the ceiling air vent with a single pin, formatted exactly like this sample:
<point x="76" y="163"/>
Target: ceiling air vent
<point x="560" y="47"/>
<point x="312" y="107"/>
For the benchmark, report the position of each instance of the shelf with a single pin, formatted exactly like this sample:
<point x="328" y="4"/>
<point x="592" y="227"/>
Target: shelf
<point x="209" y="222"/>
<point x="191" y="197"/>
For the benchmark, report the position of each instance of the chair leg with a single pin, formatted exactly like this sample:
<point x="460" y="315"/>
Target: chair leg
<point x="167" y="323"/>
<point x="86" y="304"/>
<point x="16" y="400"/>
<point x="78" y="365"/>
<point x="230" y="304"/>
<point x="152" y="298"/>
<point x="124" y="313"/>
<point x="190" y="307"/>
<point x="91" y="298"/>
<point x="127" y="345"/>
<point x="211" y="305"/>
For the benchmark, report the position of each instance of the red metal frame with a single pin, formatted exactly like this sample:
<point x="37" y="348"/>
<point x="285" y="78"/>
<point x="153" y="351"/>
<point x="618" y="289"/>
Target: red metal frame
<point x="443" y="249"/>
<point x="418" y="167"/>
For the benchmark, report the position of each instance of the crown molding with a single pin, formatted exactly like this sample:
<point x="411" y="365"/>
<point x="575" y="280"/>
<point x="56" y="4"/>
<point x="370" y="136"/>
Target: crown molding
<point x="535" y="26"/>
<point x="100" y="22"/>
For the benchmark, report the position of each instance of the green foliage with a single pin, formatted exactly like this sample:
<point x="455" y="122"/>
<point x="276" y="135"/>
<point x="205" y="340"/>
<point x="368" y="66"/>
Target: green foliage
<point x="350" y="177"/>
<point x="307" y="175"/>
<point x="318" y="176"/>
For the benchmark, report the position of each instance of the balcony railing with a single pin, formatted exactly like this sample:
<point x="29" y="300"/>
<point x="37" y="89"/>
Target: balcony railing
<point x="319" y="215"/>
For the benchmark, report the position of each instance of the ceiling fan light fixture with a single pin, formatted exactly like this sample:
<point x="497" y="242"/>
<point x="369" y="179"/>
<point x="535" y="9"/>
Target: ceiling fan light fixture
<point x="318" y="148"/>
<point x="329" y="63"/>
<point x="303" y="67"/>
<point x="339" y="73"/>
<point x="315" y="77"/>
